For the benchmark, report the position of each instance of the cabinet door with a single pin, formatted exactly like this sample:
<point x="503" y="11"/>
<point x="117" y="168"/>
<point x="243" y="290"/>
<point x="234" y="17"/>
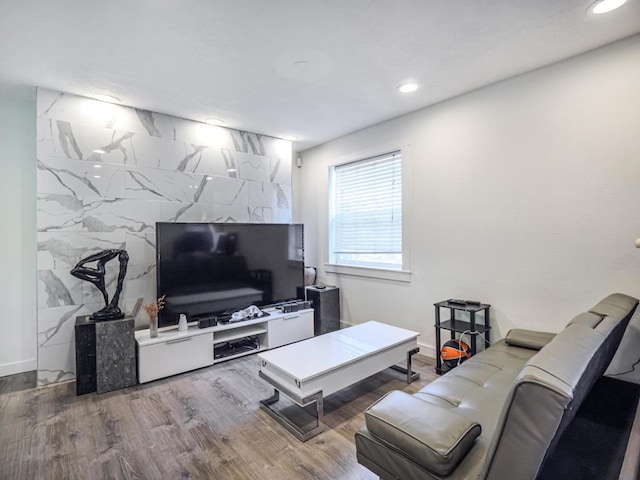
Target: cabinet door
<point x="174" y="356"/>
<point x="289" y="328"/>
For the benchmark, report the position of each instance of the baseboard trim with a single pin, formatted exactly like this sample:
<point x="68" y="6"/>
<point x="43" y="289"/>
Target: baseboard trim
<point x="427" y="350"/>
<point x="12" y="368"/>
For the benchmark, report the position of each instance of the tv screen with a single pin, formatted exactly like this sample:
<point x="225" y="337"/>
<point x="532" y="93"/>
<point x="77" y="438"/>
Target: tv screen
<point x="206" y="269"/>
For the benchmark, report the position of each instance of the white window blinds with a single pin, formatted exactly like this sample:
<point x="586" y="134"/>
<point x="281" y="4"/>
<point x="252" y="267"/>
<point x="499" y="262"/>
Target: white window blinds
<point x="366" y="212"/>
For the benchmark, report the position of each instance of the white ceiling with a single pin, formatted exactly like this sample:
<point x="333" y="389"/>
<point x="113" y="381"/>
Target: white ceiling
<point x="316" y="69"/>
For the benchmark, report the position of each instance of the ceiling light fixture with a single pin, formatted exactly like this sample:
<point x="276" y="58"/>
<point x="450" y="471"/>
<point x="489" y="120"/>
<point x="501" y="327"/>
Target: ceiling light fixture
<point x="302" y="64"/>
<point x="605" y="6"/>
<point x="97" y="166"/>
<point x="99" y="150"/>
<point x="407" y="87"/>
<point x="215" y="121"/>
<point x="107" y="98"/>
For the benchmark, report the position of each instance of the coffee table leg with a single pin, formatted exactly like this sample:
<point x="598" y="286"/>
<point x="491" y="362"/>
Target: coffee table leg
<point x="411" y="375"/>
<point x="299" y="433"/>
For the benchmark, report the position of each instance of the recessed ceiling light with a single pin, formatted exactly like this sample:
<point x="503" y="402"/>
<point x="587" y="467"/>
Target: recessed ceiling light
<point x="97" y="166"/>
<point x="209" y="178"/>
<point x="215" y="121"/>
<point x="291" y="138"/>
<point x="231" y="170"/>
<point x="99" y="150"/>
<point x="408" y="87"/>
<point x="302" y="64"/>
<point x="605" y="6"/>
<point x="107" y="98"/>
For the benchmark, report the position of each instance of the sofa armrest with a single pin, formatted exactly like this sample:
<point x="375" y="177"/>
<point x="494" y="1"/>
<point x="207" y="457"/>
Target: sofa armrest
<point x="532" y="339"/>
<point x="431" y="436"/>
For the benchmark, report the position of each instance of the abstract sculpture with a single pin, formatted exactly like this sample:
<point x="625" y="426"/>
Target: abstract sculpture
<point x="111" y="311"/>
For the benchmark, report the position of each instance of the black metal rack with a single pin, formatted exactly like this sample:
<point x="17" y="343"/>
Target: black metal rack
<point x="455" y="325"/>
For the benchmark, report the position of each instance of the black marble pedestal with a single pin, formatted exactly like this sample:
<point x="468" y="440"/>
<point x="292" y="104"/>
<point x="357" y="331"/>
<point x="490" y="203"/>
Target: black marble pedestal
<point x="85" y="355"/>
<point x="105" y="354"/>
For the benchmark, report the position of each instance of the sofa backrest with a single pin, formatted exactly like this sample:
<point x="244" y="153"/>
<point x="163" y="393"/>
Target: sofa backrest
<point x="551" y="386"/>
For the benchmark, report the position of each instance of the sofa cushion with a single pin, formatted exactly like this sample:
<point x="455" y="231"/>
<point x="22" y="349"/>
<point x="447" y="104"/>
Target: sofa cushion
<point x="477" y="388"/>
<point x="588" y="319"/>
<point x="617" y="305"/>
<point x="543" y="399"/>
<point x="432" y="436"/>
<point x="519" y="337"/>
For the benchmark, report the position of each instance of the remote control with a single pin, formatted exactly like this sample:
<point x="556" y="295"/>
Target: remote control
<point x="472" y="302"/>
<point x="457" y="302"/>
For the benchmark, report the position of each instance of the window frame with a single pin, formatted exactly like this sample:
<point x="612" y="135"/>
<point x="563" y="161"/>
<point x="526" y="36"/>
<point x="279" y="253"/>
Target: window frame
<point x="403" y="274"/>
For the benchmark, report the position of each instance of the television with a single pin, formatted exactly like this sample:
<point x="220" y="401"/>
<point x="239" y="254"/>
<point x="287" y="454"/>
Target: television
<point x="215" y="269"/>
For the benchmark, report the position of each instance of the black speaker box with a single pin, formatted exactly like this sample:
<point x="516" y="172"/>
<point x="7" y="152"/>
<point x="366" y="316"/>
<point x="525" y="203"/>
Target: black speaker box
<point x="326" y="307"/>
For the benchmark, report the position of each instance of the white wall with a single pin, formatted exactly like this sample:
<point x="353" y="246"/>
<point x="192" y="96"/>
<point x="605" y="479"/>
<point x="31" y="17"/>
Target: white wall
<point x="18" y="239"/>
<point x="526" y="195"/>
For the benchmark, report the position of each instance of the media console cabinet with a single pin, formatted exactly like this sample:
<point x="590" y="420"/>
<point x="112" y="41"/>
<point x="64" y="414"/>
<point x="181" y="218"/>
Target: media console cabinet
<point x="173" y="352"/>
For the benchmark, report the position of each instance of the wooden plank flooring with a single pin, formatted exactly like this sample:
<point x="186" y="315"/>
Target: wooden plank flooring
<point x="202" y="424"/>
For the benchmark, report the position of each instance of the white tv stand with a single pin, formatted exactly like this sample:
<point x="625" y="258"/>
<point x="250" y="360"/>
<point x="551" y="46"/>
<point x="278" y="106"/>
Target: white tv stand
<point x="173" y="352"/>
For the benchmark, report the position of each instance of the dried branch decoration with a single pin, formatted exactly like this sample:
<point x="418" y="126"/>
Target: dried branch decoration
<point x="152" y="309"/>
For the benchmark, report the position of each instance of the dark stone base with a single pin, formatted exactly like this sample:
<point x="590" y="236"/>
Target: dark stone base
<point x="85" y="355"/>
<point x="115" y="355"/>
<point x="107" y="314"/>
<point x="105" y="355"/>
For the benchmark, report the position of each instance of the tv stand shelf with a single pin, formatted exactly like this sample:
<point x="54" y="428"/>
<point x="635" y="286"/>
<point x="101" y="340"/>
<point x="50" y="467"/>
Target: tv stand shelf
<point x="238" y="355"/>
<point x="173" y="352"/>
<point x="236" y="333"/>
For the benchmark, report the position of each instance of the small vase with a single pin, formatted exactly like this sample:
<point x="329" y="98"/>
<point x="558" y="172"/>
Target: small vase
<point x="182" y="324"/>
<point x="153" y="327"/>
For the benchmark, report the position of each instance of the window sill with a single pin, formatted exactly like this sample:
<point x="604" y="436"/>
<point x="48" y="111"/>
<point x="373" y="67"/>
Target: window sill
<point x="396" y="275"/>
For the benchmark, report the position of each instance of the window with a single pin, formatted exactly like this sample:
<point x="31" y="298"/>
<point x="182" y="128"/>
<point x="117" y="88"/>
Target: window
<point x="365" y="215"/>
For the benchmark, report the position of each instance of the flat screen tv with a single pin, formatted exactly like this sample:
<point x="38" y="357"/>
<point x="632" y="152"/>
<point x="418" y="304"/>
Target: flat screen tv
<point x="215" y="269"/>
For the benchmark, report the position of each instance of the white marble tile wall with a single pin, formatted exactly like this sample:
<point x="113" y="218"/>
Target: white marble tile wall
<point x="106" y="174"/>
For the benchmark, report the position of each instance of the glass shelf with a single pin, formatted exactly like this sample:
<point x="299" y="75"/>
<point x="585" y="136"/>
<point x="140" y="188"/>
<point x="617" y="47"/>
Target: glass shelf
<point x="462" y="326"/>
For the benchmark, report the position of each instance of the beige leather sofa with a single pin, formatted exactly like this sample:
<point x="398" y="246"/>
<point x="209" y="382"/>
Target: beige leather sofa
<point x="499" y="414"/>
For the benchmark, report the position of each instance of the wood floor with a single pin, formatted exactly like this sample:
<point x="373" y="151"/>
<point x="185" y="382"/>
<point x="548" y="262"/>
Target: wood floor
<point x="203" y="424"/>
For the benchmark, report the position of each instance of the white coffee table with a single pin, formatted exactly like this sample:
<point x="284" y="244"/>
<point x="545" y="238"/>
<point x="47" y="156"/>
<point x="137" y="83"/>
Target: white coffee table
<point x="309" y="370"/>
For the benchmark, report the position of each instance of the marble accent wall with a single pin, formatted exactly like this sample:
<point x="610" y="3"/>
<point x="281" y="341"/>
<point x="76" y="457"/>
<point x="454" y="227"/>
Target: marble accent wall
<point x="107" y="173"/>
